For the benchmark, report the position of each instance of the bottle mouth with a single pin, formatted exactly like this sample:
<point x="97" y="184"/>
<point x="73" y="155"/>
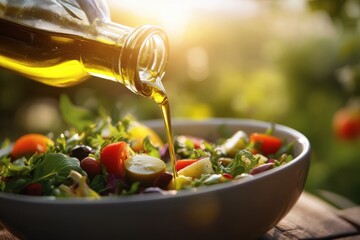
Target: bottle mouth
<point x="144" y="59"/>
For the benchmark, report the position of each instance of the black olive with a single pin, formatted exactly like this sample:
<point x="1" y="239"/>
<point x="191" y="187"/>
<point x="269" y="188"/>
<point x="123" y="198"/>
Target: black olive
<point x="80" y="152"/>
<point x="163" y="180"/>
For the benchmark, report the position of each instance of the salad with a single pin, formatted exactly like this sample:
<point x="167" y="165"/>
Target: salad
<point x="126" y="157"/>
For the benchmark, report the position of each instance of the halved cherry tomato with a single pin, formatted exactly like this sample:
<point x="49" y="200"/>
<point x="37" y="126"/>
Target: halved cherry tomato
<point x="113" y="156"/>
<point x="180" y="164"/>
<point x="265" y="144"/>
<point x="30" y="144"/>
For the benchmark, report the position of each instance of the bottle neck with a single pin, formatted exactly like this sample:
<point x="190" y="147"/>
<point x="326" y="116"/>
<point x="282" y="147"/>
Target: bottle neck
<point x="135" y="57"/>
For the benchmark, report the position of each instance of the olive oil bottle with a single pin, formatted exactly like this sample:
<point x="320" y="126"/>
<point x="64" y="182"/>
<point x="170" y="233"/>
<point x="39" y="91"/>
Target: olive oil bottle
<point x="62" y="42"/>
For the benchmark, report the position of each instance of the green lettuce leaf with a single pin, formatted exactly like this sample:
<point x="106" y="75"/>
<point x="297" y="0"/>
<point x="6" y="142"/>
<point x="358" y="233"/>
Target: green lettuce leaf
<point x="73" y="115"/>
<point x="56" y="168"/>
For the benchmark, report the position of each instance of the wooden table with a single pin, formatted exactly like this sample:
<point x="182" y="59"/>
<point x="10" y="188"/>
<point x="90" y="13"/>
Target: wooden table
<point x="311" y="218"/>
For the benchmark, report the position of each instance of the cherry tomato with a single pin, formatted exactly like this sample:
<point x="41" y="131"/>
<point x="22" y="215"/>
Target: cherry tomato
<point x="265" y="144"/>
<point x="180" y="164"/>
<point x="113" y="156"/>
<point x="30" y="144"/>
<point x="91" y="166"/>
<point x="346" y="123"/>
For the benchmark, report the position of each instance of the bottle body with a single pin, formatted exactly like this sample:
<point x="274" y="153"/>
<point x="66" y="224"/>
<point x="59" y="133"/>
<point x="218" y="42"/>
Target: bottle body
<point x="63" y="50"/>
<point x="48" y="57"/>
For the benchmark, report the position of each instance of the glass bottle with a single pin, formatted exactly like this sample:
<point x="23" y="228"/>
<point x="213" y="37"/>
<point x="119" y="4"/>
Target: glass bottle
<point x="62" y="42"/>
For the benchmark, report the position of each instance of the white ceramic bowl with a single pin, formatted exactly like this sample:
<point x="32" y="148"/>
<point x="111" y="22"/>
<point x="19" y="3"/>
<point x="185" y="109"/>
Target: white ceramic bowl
<point x="244" y="209"/>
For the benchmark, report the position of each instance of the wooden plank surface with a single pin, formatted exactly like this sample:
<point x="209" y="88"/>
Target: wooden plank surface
<point x="351" y="214"/>
<point x="311" y="218"/>
<point x="5" y="234"/>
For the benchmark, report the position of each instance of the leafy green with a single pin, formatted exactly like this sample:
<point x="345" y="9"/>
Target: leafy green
<point x="16" y="168"/>
<point x="150" y="149"/>
<point x="185" y="147"/>
<point x="285" y="148"/>
<point x="243" y="162"/>
<point x="15" y="185"/>
<point x="14" y="175"/>
<point x="75" y="116"/>
<point x="98" y="184"/>
<point x="56" y="167"/>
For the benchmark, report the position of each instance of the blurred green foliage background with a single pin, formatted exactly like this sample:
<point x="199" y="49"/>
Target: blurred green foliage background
<point x="291" y="62"/>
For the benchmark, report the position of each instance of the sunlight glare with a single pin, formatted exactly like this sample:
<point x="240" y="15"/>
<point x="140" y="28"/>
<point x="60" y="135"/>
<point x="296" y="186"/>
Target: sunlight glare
<point x="198" y="63"/>
<point x="172" y="15"/>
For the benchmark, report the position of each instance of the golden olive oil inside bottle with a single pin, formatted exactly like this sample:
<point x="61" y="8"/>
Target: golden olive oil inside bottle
<point x="54" y="58"/>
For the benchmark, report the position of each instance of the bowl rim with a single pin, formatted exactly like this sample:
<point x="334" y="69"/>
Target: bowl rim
<point x="156" y="123"/>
